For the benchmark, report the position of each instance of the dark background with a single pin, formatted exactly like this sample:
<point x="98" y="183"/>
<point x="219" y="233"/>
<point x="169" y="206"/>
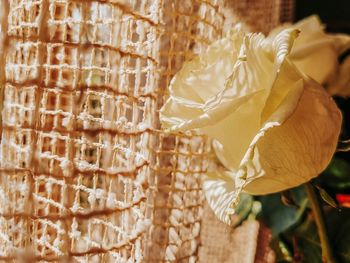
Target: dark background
<point x="334" y="13"/>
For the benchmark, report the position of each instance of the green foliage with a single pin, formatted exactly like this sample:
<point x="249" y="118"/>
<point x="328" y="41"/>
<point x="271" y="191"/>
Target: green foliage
<point x="294" y="230"/>
<point x="337" y="175"/>
<point x="298" y="239"/>
<point x="326" y="197"/>
<point x="277" y="215"/>
<point x="308" y="243"/>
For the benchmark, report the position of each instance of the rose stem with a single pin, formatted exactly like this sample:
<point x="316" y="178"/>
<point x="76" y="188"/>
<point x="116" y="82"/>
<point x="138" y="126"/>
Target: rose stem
<point x="327" y="252"/>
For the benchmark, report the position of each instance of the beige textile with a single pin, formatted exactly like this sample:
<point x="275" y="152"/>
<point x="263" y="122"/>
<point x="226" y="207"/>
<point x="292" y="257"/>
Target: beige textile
<point x="260" y="15"/>
<point x="247" y="243"/>
<point x="86" y="173"/>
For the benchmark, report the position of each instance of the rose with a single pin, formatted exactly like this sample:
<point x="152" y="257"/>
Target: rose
<point x="315" y="52"/>
<point x="272" y="127"/>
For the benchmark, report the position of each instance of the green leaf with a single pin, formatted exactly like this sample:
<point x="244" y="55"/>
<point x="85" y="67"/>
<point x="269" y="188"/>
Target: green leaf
<point x="339" y="169"/>
<point x="326" y="197"/>
<point x="339" y="232"/>
<point x="337" y="175"/>
<point x="288" y="199"/>
<point x="279" y="217"/>
<point x="343" y="242"/>
<point x="308" y="242"/>
<point x="338" y="226"/>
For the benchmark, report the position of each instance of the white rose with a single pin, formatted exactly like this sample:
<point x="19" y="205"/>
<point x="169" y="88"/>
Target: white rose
<point x="315" y="52"/>
<point x="273" y="127"/>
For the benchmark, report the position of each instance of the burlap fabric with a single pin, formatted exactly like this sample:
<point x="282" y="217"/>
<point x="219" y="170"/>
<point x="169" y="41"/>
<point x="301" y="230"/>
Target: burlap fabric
<point x="86" y="173"/>
<point x="260" y="15"/>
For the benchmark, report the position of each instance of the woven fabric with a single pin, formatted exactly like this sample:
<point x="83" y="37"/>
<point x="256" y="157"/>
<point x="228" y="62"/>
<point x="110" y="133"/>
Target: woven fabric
<point x="248" y="243"/>
<point x="260" y="15"/>
<point x="86" y="173"/>
<point x="79" y="102"/>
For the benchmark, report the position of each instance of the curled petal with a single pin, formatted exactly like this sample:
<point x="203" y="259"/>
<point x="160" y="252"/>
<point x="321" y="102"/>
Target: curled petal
<point x="281" y="156"/>
<point x="261" y="112"/>
<point x="221" y="194"/>
<point x="315" y="52"/>
<point x="293" y="153"/>
<point x="200" y="80"/>
<point x="340" y="85"/>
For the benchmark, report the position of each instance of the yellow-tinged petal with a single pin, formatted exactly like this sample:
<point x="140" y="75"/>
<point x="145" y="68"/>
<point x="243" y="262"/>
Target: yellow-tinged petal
<point x="221" y="193"/>
<point x="340" y="85"/>
<point x="260" y="110"/>
<point x="296" y="151"/>
<point x="282" y="155"/>
<point x="242" y="97"/>
<point x="200" y="80"/>
<point x="315" y="52"/>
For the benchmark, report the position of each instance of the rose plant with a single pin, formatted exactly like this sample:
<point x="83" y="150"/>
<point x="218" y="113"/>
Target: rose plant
<point x="272" y="126"/>
<point x="261" y="101"/>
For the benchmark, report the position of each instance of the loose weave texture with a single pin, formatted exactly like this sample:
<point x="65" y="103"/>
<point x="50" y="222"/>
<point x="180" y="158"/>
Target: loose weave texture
<point x="245" y="244"/>
<point x="86" y="173"/>
<point x="259" y="15"/>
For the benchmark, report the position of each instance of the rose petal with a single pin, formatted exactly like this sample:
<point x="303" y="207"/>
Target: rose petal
<point x="221" y="193"/>
<point x="200" y="80"/>
<point x="295" y="152"/>
<point x="314" y="52"/>
<point x="204" y="76"/>
<point x="261" y="111"/>
<point x="340" y="86"/>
